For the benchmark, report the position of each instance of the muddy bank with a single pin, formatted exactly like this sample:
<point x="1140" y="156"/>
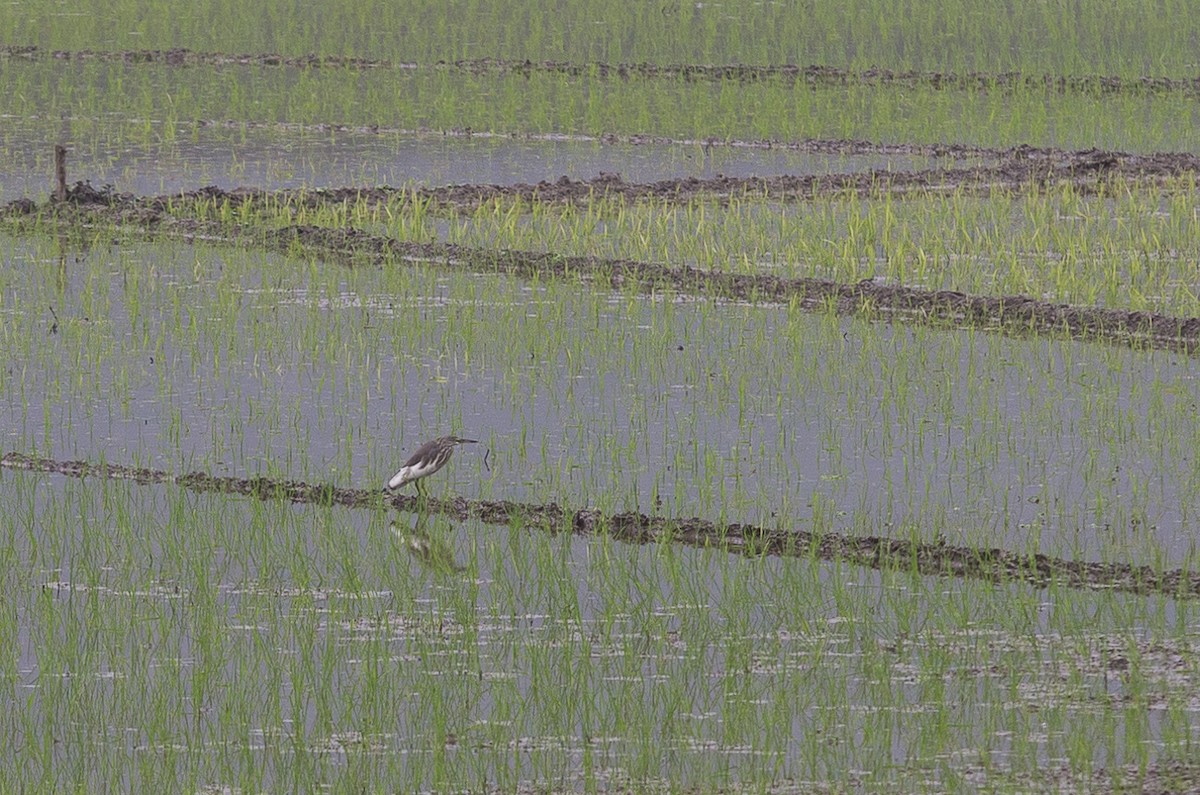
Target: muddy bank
<point x="1016" y="168"/>
<point x="812" y="75"/>
<point x="1012" y="314"/>
<point x="1019" y="167"/>
<point x="941" y="560"/>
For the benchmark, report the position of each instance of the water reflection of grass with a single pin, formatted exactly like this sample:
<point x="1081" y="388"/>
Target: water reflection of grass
<point x="170" y="638"/>
<point x="162" y="640"/>
<point x="185" y="358"/>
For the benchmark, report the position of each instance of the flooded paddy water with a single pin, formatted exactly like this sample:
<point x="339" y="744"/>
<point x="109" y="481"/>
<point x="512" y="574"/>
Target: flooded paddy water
<point x="210" y="640"/>
<point x="837" y="424"/>
<point x="482" y="654"/>
<point x="276" y="157"/>
<point x="179" y="357"/>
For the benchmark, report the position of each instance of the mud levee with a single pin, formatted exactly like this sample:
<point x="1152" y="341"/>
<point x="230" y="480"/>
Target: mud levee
<point x="1016" y="314"/>
<point x="1017" y="168"/>
<point x="1087" y="171"/>
<point x="1012" y="314"/>
<point x="815" y="75"/>
<point x="940" y="560"/>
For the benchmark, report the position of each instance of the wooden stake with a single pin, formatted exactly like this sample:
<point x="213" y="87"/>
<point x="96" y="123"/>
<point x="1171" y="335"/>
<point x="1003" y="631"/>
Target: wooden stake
<point x="60" y="171"/>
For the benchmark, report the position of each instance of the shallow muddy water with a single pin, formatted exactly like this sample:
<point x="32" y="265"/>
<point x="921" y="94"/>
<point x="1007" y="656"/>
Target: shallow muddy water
<point x="261" y="158"/>
<point x="969" y="557"/>
<point x="211" y="639"/>
<point x="207" y="359"/>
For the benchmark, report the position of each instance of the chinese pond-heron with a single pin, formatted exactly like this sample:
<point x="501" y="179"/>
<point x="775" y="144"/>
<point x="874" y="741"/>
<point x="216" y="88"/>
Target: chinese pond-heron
<point x="429" y="458"/>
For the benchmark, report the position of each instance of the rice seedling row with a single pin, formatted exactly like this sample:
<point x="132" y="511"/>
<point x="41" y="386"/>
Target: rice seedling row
<point x="175" y="637"/>
<point x="1124" y="39"/>
<point x="185" y="358"/>
<point x="964" y="559"/>
<point x="811" y="75"/>
<point x="162" y="103"/>
<point x="939" y="559"/>
<point x="338" y="234"/>
<point x="164" y="638"/>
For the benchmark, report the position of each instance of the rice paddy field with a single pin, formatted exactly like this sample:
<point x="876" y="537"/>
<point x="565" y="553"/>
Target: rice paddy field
<point x="833" y="370"/>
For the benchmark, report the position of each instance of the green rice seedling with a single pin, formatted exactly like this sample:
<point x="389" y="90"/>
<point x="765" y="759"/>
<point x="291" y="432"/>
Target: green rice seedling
<point x="789" y="109"/>
<point x="863" y="35"/>
<point x="653" y="659"/>
<point x="961" y="243"/>
<point x="692" y="645"/>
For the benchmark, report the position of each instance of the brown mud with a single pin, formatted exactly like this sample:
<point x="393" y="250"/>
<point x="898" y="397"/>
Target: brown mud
<point x="1013" y="314"/>
<point x="936" y="559"/>
<point x="1022" y="167"/>
<point x="1088" y="171"/>
<point x="813" y="75"/>
<point x="1164" y="777"/>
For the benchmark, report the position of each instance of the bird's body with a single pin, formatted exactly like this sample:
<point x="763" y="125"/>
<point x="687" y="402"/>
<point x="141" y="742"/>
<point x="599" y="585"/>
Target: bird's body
<point x="429" y="458"/>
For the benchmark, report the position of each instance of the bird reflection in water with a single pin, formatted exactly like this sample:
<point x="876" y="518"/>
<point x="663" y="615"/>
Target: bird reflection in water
<point x="432" y="551"/>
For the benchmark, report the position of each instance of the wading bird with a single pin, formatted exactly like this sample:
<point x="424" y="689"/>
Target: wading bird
<point x="429" y="458"/>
